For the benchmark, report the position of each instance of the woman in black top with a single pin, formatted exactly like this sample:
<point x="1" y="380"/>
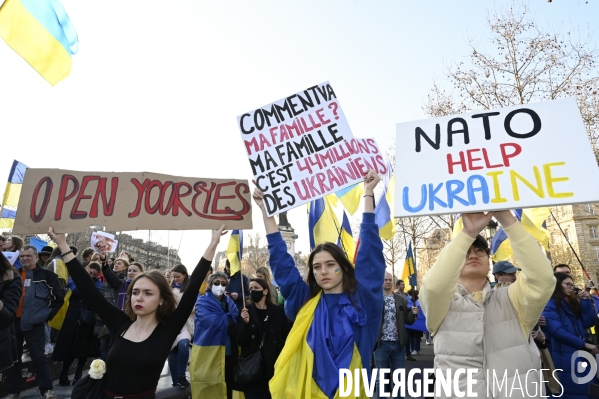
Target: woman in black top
<point x="261" y="314"/>
<point x="142" y="336"/>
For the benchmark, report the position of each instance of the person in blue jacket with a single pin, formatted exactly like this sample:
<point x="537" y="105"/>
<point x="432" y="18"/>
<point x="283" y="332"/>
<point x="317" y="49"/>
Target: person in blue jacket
<point x="336" y="313"/>
<point x="567" y="319"/>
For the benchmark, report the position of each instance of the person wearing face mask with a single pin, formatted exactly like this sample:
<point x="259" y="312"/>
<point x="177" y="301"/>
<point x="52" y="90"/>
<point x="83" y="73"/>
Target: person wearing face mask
<point x="214" y="341"/>
<point x="264" y="327"/>
<point x="121" y="286"/>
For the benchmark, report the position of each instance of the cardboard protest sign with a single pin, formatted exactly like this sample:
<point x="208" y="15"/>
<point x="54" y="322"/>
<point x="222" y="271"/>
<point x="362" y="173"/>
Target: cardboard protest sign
<point x="301" y="148"/>
<point x="71" y="201"/>
<point x="515" y="157"/>
<point x="101" y="240"/>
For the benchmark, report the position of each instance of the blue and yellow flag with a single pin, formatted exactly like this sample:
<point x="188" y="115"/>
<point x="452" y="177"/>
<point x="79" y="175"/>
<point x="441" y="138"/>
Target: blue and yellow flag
<point x="235" y="250"/>
<point x="409" y="275"/>
<point x="533" y="221"/>
<point x="346" y="240"/>
<point x="382" y="212"/>
<point x="41" y="32"/>
<point x="350" y="197"/>
<point x="210" y="343"/>
<point x="323" y="224"/>
<point x="458" y="225"/>
<point x="12" y="194"/>
<point x="294" y="369"/>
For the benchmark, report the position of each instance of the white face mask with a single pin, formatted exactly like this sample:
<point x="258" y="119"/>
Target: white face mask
<point x="218" y="290"/>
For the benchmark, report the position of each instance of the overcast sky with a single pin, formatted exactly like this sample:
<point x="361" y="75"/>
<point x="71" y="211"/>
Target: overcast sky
<point x="157" y="85"/>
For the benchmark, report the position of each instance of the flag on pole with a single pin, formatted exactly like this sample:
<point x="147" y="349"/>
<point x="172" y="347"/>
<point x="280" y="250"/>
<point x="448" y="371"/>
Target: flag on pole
<point x="346" y="239"/>
<point x="235" y="251"/>
<point x="323" y="224"/>
<point x="41" y="32"/>
<point x="351" y="196"/>
<point x="409" y="269"/>
<point x="382" y="212"/>
<point x="12" y="194"/>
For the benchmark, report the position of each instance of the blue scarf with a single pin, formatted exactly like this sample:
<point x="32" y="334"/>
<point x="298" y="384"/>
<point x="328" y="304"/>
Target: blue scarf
<point x="333" y="344"/>
<point x="177" y="285"/>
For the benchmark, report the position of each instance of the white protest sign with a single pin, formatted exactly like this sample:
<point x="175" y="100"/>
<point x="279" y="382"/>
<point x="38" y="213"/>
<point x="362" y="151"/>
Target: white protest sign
<point x="515" y="157"/>
<point x="301" y="148"/>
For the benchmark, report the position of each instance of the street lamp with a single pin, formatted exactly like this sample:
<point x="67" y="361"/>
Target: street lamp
<point x="490" y="229"/>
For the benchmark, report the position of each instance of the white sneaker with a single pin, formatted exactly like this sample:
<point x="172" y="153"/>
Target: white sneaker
<point x="414" y="353"/>
<point x="428" y="342"/>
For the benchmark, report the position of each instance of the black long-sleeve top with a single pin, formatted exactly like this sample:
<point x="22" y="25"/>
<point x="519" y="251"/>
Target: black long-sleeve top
<point x="134" y="367"/>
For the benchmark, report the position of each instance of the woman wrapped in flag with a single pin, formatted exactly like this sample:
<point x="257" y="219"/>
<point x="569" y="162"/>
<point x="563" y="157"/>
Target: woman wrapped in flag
<point x="336" y="313"/>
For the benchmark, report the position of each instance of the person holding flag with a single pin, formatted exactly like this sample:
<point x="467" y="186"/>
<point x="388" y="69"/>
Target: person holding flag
<point x="336" y="313"/>
<point x="238" y="283"/>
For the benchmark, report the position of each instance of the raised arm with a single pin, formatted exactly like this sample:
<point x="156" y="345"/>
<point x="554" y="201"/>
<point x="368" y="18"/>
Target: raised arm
<point x="440" y="283"/>
<point x="111" y="278"/>
<point x="188" y="300"/>
<point x="370" y="262"/>
<point x="535" y="283"/>
<point x="293" y="288"/>
<point x="109" y="314"/>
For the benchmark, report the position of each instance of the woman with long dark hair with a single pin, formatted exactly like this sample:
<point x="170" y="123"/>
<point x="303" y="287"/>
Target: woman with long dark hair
<point x="143" y="335"/>
<point x="336" y="313"/>
<point x="10" y="295"/>
<point x="263" y="327"/>
<point x="119" y="284"/>
<point x="568" y="316"/>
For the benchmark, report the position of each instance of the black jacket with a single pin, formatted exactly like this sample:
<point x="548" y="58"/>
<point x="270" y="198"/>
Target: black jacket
<point x="403" y="316"/>
<point x="249" y="337"/>
<point x="10" y="295"/>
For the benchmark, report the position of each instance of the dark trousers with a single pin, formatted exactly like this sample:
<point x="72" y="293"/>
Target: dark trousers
<point x="36" y="339"/>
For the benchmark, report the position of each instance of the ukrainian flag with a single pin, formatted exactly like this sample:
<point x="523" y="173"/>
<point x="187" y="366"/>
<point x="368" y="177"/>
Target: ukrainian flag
<point x="294" y="369"/>
<point x="210" y="340"/>
<point x="382" y="212"/>
<point x="12" y="194"/>
<point x="346" y="240"/>
<point x="351" y="196"/>
<point x="533" y="221"/>
<point x="41" y="32"/>
<point x="409" y="269"/>
<point x="235" y="250"/>
<point x="323" y="224"/>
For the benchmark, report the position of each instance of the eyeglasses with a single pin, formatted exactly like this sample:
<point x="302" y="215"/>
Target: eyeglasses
<point x="477" y="251"/>
<point x="569" y="285"/>
<point x="219" y="283"/>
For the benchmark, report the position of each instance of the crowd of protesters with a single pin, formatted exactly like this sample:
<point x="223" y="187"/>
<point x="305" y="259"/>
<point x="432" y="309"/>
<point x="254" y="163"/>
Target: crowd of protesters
<point x="244" y="334"/>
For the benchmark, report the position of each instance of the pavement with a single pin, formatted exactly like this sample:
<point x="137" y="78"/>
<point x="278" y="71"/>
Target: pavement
<point x="165" y="390"/>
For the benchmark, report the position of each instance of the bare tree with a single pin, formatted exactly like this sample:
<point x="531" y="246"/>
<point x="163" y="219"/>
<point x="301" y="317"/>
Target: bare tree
<point x="257" y="254"/>
<point x="522" y="63"/>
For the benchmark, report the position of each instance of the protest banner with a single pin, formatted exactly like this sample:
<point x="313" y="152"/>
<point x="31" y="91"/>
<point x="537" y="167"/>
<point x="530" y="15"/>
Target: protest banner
<point x="515" y="157"/>
<point x="301" y="148"/>
<point x="71" y="201"/>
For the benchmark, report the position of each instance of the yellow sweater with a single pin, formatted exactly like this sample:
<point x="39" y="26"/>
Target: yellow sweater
<point x="527" y="294"/>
